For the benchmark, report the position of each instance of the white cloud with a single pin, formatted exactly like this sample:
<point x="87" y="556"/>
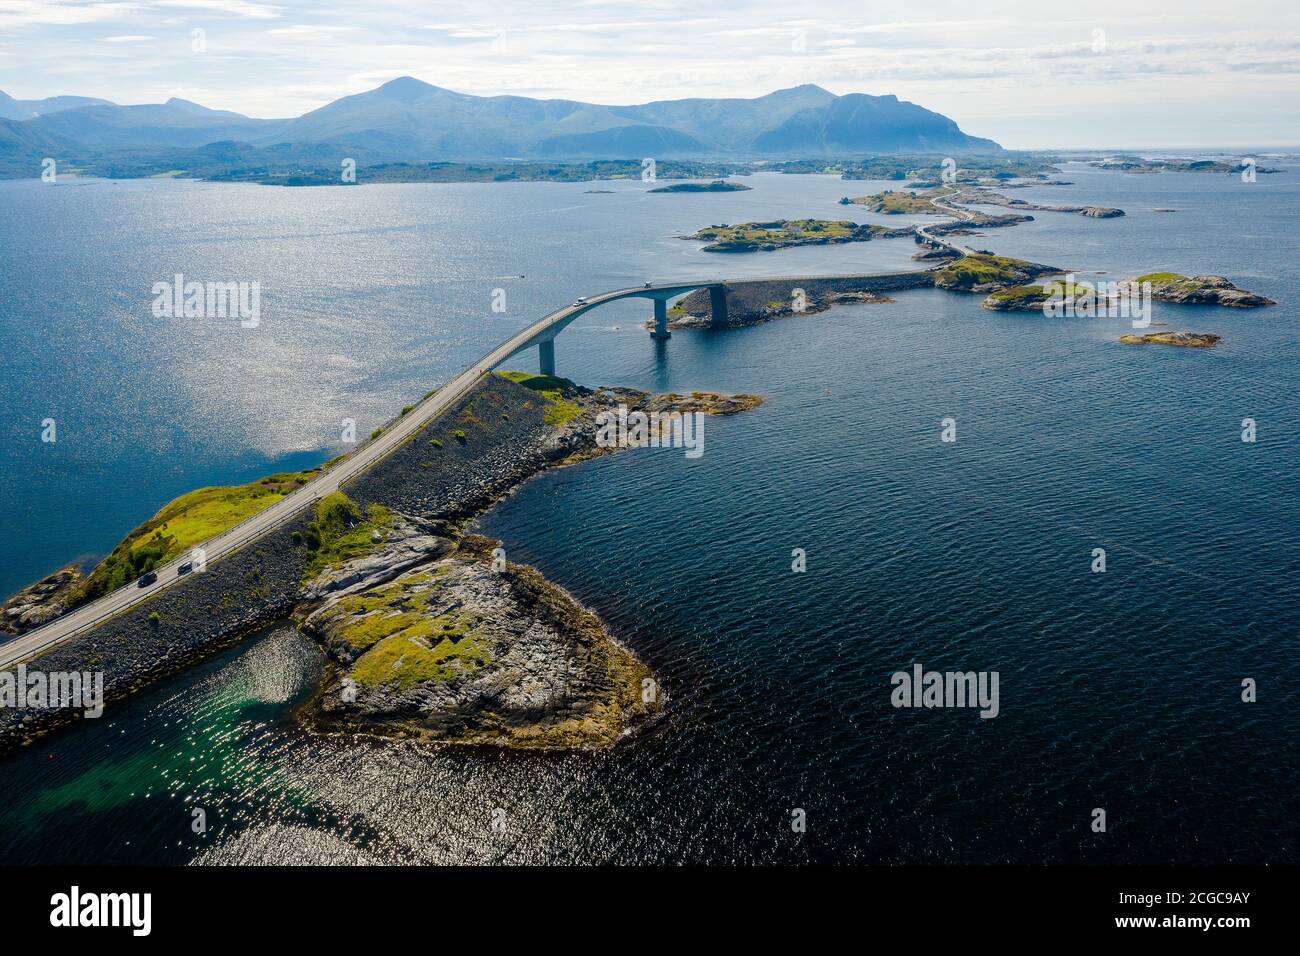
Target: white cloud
<point x="23" y="13"/>
<point x="1190" y="62"/>
<point x="238" y="8"/>
<point x="308" y="29"/>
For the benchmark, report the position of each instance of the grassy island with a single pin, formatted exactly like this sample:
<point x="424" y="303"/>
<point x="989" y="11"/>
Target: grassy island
<point x="717" y="186"/>
<point x="1200" y="290"/>
<point x="783" y="233"/>
<point x="1031" y="297"/>
<point x="985" y="272"/>
<point x="897" y="203"/>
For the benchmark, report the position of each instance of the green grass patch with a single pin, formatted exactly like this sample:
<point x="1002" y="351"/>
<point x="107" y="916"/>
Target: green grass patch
<point x="559" y="410"/>
<point x="552" y="386"/>
<point x="1019" y="293"/>
<point x="778" y="233"/>
<point x="183" y="523"/>
<point x="981" y="268"/>
<point x="897" y="203"/>
<point x="341" y="533"/>
<point x="432" y="649"/>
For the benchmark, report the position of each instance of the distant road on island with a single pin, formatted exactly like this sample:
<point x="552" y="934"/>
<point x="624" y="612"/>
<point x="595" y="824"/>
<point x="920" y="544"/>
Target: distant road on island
<point x="938" y="202"/>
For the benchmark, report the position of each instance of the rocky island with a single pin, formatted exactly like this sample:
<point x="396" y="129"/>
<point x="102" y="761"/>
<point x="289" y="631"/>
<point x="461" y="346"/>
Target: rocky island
<point x="985" y="272"/>
<point x="717" y="186"/>
<point x="1165" y="287"/>
<point x="756" y="310"/>
<point x="785" y="233"/>
<point x="429" y="631"/>
<point x="897" y="203"/>
<point x="1030" y="298"/>
<point x="472" y="649"/>
<point x="937" y="200"/>
<point x="1200" y="290"/>
<point x="1196" y="340"/>
<point x="41" y="602"/>
<point x="1139" y="164"/>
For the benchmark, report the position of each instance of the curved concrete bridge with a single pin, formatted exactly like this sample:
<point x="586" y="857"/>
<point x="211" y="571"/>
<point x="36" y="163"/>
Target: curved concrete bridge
<point x="543" y="333"/>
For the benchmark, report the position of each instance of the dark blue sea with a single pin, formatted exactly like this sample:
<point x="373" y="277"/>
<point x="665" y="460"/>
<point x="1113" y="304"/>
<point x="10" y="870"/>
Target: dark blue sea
<point x="1119" y="690"/>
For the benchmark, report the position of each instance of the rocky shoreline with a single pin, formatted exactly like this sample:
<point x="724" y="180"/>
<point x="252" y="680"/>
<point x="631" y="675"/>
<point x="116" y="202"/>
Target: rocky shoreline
<point x="751" y="302"/>
<point x="39" y="603"/>
<point x="789" y="233"/>
<point x="409" y="518"/>
<point x="470" y="648"/>
<point x="1165" y="287"/>
<point x="1195" y="340"/>
<point x="716" y="186"/>
<point x="1200" y="290"/>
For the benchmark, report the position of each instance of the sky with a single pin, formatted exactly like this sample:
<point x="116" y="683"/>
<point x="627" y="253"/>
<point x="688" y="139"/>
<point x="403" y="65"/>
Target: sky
<point x="1140" y="73"/>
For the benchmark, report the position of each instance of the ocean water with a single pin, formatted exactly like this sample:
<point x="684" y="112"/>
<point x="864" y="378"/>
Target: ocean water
<point x="1119" y="690"/>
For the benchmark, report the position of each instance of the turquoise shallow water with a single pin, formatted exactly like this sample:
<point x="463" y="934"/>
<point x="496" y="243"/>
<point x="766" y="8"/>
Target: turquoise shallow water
<point x="1118" y="690"/>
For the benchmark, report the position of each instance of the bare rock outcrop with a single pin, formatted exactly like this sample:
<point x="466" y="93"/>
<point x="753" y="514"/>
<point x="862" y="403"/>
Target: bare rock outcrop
<point x="39" y="603"/>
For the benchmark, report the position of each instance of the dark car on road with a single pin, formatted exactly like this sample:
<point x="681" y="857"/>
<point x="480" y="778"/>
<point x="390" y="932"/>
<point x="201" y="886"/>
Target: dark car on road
<point x="185" y="568"/>
<point x="146" y="579"/>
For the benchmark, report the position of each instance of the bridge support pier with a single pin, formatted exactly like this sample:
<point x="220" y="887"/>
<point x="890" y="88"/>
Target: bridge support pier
<point x="661" y="320"/>
<point x="717" y="305"/>
<point x="546" y="357"/>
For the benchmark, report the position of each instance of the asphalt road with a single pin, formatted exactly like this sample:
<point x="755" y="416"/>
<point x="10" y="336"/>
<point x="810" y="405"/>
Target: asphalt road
<point x="395" y="433"/>
<point x="89" y="615"/>
<point x="938" y="202"/>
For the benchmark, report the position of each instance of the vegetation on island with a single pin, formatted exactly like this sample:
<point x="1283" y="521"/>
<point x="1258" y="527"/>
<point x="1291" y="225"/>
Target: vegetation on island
<point x="896" y="203"/>
<point x="340" y="532"/>
<point x="1200" y="290"/>
<point x="1195" y="340"/>
<point x="926" y="168"/>
<point x="554" y="390"/>
<point x="717" y="186"/>
<point x="183" y="523"/>
<point x="1021" y="294"/>
<point x="407" y="633"/>
<point x="1028" y="297"/>
<point x="782" y="233"/>
<point x="985" y="272"/>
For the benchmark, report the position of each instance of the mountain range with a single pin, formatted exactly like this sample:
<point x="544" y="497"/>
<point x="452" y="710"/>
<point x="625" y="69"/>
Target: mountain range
<point x="409" y="121"/>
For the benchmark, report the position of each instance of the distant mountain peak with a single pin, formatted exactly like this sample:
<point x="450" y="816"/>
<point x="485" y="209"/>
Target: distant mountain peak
<point x="409" y="120"/>
<point x="407" y="88"/>
<point x="188" y="104"/>
<point x="16" y="109"/>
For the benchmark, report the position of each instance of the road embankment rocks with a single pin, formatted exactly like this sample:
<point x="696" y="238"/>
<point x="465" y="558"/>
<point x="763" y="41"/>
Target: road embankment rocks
<point x="761" y="300"/>
<point x="497" y="436"/>
<point x="201" y="614"/>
